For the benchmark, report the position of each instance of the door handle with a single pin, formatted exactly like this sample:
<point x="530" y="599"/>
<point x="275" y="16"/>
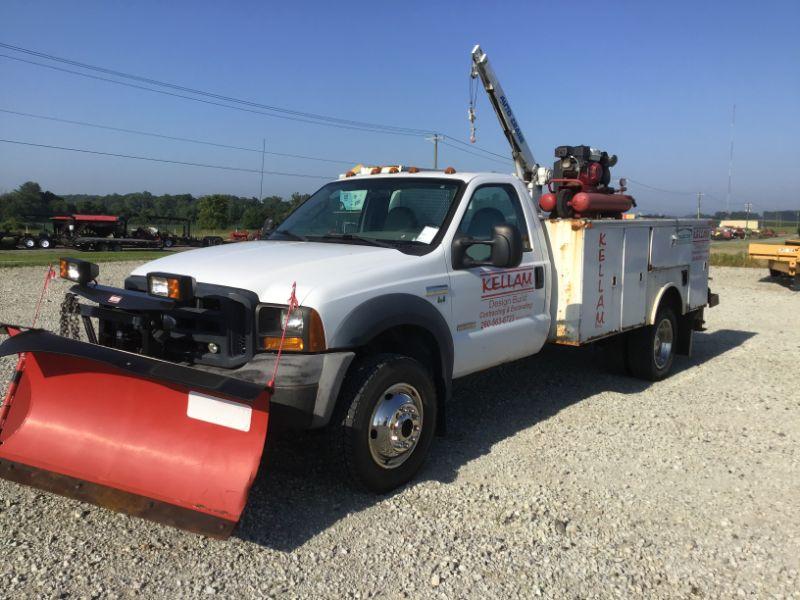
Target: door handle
<point x="538" y="275"/>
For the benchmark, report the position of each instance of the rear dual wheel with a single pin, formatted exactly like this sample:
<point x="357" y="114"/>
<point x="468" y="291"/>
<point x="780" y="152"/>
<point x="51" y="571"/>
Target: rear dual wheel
<point x="651" y="349"/>
<point x="385" y="420"/>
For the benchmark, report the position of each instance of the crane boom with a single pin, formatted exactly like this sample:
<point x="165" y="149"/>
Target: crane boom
<point x="527" y="168"/>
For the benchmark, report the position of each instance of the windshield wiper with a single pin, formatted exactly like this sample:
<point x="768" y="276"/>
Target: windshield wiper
<point x="349" y="236"/>
<point x="292" y="235"/>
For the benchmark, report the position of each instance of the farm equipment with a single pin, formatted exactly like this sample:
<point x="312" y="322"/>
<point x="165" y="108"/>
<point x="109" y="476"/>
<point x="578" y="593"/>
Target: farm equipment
<point x="782" y="259"/>
<point x="101" y="233"/>
<point x="185" y="238"/>
<point x="242" y="235"/>
<point x="26" y="239"/>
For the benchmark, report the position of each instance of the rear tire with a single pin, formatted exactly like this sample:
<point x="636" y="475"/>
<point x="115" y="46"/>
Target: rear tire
<point x="29" y="243"/>
<point x="651" y="349"/>
<point x="384" y="422"/>
<point x="45" y="243"/>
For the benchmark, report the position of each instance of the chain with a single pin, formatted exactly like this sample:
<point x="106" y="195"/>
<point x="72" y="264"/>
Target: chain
<point x="68" y="325"/>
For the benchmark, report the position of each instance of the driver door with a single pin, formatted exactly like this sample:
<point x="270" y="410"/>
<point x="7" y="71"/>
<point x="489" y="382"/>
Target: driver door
<point x="499" y="314"/>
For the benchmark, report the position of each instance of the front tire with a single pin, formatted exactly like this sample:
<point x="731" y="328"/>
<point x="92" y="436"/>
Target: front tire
<point x="384" y="423"/>
<point x="651" y="349"/>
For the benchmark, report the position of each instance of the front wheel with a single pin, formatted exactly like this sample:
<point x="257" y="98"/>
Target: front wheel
<point x="651" y="349"/>
<point x="385" y="420"/>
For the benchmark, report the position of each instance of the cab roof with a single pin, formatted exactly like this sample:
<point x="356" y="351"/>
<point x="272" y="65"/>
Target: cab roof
<point x="360" y="172"/>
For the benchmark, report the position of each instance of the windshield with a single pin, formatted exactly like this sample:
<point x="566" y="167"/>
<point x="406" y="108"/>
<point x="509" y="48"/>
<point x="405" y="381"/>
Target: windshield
<point x="389" y="211"/>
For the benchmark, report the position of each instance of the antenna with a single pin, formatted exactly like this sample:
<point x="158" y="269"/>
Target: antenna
<point x="730" y="165"/>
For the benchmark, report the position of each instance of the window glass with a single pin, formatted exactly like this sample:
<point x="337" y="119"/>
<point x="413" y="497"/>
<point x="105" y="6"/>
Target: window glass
<point x="492" y="205"/>
<point x="407" y="210"/>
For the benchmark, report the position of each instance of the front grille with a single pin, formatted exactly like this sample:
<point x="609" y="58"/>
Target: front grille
<point x="218" y="315"/>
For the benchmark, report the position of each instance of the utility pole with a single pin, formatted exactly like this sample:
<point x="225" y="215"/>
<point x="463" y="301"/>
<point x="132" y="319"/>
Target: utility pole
<point x="699" y="196"/>
<point x="435" y="139"/>
<point x="261" y="185"/>
<point x="747" y="207"/>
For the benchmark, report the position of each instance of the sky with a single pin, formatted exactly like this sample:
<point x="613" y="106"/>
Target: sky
<point x="652" y="82"/>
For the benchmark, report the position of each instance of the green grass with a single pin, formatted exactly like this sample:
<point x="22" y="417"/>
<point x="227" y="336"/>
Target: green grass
<point x="34" y="258"/>
<point x="735" y="259"/>
<point x="739" y="246"/>
<point x="733" y="253"/>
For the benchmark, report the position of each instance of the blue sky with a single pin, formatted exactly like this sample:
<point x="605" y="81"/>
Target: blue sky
<point x="651" y="82"/>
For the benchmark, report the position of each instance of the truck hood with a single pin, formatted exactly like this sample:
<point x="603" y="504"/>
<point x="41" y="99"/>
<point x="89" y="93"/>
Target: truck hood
<point x="268" y="268"/>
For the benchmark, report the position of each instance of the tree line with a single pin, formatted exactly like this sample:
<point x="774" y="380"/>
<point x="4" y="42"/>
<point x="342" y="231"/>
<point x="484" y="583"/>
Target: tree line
<point x="29" y="205"/>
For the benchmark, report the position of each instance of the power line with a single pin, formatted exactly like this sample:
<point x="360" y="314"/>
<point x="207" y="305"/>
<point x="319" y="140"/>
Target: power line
<point x="657" y="189"/>
<point x="163" y="160"/>
<point x="211" y="102"/>
<point x="505" y="162"/>
<point x="171" y="137"/>
<point x="473" y="146"/>
<point x="198" y="92"/>
<point x="289" y="114"/>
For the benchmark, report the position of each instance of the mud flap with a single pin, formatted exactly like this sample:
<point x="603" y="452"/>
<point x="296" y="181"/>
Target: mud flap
<point x="134" y="434"/>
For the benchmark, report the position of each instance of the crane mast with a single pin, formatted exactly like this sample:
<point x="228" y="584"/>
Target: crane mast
<point x="527" y="168"/>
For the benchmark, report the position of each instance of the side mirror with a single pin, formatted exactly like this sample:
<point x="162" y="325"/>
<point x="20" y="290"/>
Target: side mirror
<point x="506" y="244"/>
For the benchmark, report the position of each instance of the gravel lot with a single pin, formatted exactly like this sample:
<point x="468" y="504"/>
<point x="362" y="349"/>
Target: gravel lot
<point x="558" y="478"/>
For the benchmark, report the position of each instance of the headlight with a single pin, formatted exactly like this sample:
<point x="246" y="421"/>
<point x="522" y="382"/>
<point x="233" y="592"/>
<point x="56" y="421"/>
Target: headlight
<point x="79" y="271"/>
<point x="304" y="332"/>
<point x="176" y="287"/>
<point x="295" y="324"/>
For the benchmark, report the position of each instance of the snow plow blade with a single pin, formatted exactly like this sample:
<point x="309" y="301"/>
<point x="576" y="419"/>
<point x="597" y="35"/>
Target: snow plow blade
<point x="130" y="433"/>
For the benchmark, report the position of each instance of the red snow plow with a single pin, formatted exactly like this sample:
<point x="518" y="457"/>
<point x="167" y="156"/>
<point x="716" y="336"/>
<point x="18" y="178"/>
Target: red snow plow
<point x="135" y="434"/>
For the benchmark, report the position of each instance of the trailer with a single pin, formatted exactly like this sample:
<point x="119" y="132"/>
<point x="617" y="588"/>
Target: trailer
<point x="354" y="316"/>
<point x="782" y="259"/>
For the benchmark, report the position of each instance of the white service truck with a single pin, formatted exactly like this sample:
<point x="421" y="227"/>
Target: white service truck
<point x="405" y="282"/>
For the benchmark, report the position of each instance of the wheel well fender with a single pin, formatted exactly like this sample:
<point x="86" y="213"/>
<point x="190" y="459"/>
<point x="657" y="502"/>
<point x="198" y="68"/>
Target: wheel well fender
<point x="669" y="295"/>
<point x="405" y="324"/>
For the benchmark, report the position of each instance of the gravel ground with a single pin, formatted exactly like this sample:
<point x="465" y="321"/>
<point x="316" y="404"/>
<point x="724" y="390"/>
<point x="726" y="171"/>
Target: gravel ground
<point x="558" y="478"/>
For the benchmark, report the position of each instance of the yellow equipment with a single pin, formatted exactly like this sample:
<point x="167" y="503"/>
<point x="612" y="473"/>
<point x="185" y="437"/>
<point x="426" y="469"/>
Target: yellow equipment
<point x="782" y="259"/>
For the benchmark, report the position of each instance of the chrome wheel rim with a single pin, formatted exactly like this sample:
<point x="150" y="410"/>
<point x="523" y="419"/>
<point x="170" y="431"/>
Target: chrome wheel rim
<point x="662" y="343"/>
<point x="395" y="426"/>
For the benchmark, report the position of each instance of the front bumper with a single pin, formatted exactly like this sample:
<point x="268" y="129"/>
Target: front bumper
<point x="306" y="387"/>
